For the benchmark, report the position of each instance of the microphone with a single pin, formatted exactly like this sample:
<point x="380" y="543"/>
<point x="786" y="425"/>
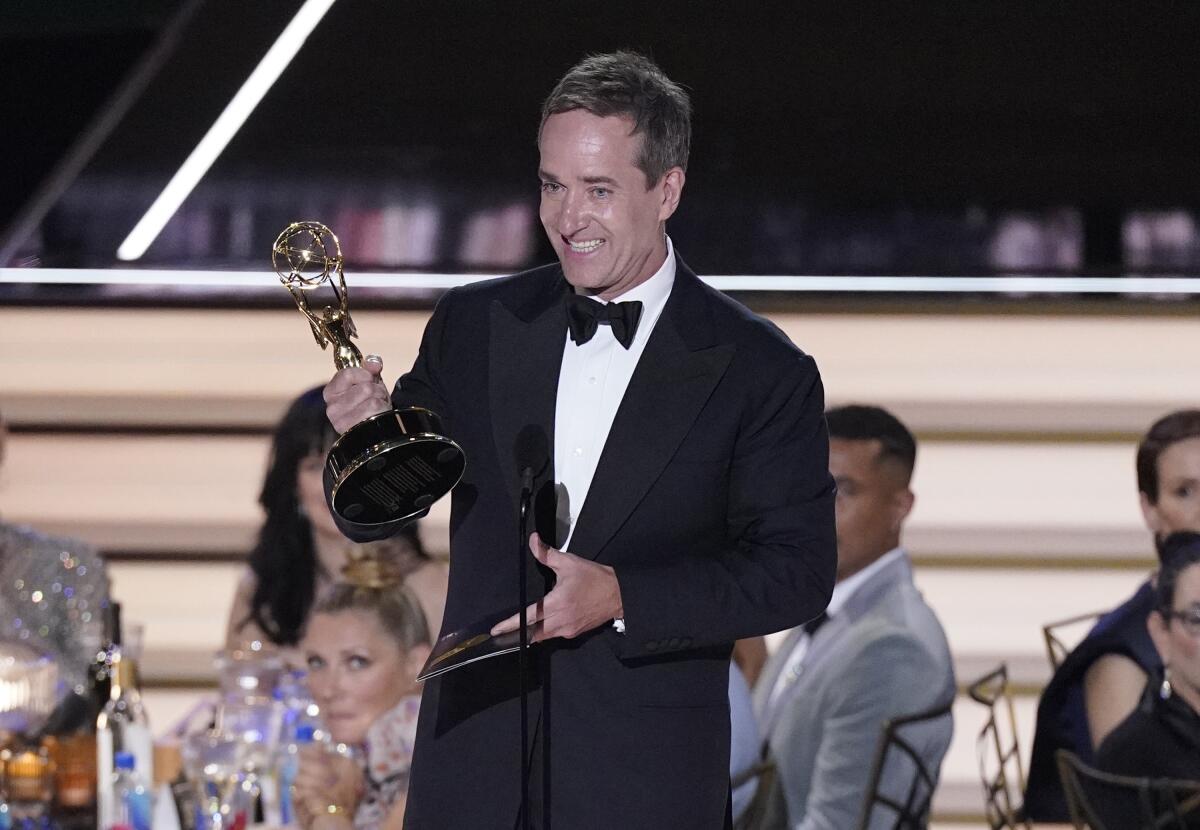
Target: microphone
<point x="532" y="454"/>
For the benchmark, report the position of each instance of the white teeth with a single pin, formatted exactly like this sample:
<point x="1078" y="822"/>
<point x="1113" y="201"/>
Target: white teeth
<point x="586" y="247"/>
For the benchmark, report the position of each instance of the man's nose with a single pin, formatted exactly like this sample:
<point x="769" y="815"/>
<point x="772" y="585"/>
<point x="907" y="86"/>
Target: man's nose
<point x="572" y="215"/>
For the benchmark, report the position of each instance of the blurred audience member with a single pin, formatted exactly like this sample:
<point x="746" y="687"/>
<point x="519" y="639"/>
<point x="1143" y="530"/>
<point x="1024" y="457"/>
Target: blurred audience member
<point x="1161" y="738"/>
<point x="363" y="647"/>
<point x="744" y="742"/>
<point x="1101" y="681"/>
<point x="300" y="550"/>
<point x="750" y="655"/>
<point x="877" y="653"/>
<point x="53" y="592"/>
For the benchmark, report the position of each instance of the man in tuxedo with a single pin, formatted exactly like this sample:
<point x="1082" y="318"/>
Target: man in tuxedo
<point x="877" y="653"/>
<point x="682" y="497"/>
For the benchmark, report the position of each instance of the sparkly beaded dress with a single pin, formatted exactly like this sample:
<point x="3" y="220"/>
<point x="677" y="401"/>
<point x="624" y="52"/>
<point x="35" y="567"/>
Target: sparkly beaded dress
<point x="51" y="589"/>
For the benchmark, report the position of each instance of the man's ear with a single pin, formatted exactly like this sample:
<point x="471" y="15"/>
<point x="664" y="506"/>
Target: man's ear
<point x="902" y="505"/>
<point x="671" y="186"/>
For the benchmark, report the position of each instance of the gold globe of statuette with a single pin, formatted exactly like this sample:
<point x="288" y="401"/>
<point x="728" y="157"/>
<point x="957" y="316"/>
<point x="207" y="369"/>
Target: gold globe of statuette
<point x="306" y="255"/>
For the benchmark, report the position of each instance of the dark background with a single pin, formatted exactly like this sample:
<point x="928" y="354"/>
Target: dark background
<point x="848" y="138"/>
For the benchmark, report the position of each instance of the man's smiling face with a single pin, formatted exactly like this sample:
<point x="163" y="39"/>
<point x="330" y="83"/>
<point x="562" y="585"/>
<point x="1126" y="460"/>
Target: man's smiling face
<point x="605" y="225"/>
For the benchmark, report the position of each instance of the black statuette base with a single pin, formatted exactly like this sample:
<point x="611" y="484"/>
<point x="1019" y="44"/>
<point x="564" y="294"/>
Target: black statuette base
<point x="393" y="466"/>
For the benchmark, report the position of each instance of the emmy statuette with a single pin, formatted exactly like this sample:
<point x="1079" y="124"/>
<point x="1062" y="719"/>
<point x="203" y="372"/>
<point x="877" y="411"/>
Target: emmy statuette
<point x="393" y="465"/>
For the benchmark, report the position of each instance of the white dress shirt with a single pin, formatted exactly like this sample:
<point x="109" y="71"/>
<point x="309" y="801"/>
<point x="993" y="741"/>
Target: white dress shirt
<point x="591" y="385"/>
<point x="842" y="592"/>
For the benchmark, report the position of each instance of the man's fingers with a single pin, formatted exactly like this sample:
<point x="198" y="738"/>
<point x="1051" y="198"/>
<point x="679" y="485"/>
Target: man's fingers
<point x="532" y="614"/>
<point x="543" y="552"/>
<point x="346" y="379"/>
<point x="355" y="394"/>
<point x="373" y="364"/>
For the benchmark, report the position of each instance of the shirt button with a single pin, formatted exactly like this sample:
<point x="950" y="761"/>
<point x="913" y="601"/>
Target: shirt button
<point x="591" y="380"/>
<point x="579" y="450"/>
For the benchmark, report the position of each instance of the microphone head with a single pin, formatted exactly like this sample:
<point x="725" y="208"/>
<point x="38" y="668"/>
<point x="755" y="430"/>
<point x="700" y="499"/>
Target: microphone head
<point x="531" y="451"/>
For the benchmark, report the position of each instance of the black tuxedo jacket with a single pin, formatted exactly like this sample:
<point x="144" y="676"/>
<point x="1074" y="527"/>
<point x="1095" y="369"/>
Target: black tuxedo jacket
<point x="713" y="503"/>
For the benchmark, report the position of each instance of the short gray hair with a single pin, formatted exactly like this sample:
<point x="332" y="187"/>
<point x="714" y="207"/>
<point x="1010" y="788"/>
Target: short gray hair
<point x="630" y="85"/>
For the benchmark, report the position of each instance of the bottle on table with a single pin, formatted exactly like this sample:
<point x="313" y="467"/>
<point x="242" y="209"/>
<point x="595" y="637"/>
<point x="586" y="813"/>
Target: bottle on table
<point x="287" y="764"/>
<point x="131" y="802"/>
<point x="100" y="669"/>
<point x="122" y="726"/>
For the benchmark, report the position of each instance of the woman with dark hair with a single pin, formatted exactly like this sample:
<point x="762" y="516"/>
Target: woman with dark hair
<point x="1101" y="681"/>
<point x="1161" y="739"/>
<point x="300" y="550"/>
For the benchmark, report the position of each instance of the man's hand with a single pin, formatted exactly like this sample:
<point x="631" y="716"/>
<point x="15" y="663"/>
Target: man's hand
<point x="356" y="393"/>
<point x="585" y="596"/>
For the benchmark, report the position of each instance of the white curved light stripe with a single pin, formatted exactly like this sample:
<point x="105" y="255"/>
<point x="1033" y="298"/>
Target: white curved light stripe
<point x="223" y="129"/>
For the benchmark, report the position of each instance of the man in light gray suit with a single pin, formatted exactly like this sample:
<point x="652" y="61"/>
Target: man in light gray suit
<point x="879" y="652"/>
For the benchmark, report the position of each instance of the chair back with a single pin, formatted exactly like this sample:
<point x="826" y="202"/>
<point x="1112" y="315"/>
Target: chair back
<point x="998" y="752"/>
<point x="1063" y="635"/>
<point x="897" y="745"/>
<point x="1103" y="801"/>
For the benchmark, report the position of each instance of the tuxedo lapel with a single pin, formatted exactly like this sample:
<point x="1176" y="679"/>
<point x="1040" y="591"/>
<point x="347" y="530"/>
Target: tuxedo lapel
<point x="525" y="354"/>
<point x="669" y="387"/>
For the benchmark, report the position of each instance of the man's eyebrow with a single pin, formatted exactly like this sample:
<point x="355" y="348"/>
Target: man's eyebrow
<point x="550" y="177"/>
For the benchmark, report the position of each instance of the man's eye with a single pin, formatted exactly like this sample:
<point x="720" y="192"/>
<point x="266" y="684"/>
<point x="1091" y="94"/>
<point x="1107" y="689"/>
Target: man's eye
<point x="551" y="187"/>
<point x="315" y="663"/>
<point x="1186" y="491"/>
<point x="601" y="192"/>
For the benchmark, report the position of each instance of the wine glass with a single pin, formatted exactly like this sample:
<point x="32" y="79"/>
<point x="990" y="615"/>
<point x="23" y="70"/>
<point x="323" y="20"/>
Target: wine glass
<point x="213" y="764"/>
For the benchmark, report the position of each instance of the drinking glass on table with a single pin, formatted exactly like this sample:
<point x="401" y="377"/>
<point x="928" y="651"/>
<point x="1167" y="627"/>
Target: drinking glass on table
<point x="213" y="764"/>
<point x="253" y="723"/>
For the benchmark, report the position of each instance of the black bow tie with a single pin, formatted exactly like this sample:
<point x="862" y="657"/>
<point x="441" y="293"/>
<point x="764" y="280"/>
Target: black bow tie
<point x="584" y="315"/>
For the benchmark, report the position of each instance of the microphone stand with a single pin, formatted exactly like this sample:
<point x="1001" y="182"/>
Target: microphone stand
<point x="523" y="661"/>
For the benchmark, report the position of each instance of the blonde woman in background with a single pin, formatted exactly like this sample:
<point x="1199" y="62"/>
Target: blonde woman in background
<point x="365" y="643"/>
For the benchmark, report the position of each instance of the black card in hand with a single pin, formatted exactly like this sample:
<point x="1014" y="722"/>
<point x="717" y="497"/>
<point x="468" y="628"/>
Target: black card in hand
<point x="470" y="645"/>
